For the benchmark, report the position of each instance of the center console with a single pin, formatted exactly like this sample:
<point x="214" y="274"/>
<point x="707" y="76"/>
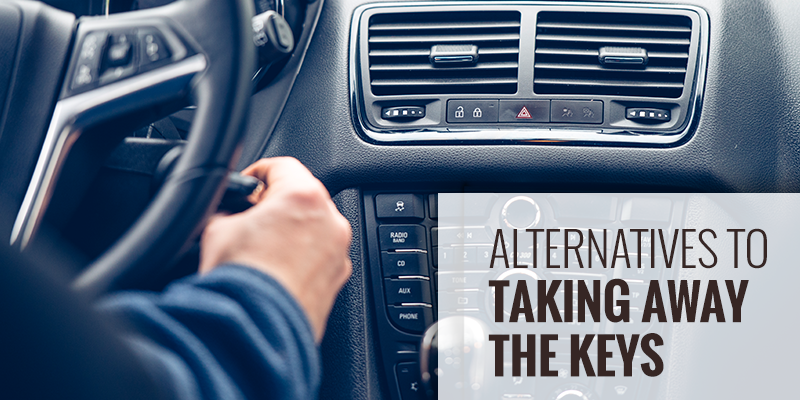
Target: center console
<point x="408" y="253"/>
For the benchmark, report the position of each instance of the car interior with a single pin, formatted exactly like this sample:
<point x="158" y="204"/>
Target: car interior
<point x="121" y="121"/>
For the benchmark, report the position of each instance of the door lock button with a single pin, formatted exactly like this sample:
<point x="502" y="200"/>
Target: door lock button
<point x="472" y="111"/>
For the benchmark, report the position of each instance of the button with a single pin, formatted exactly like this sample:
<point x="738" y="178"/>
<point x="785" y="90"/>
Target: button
<point x="647" y="114"/>
<point x="576" y="112"/>
<point x="632" y="240"/>
<point x="408" y="378"/>
<point x="583" y="255"/>
<point x="525" y="111"/>
<point x="399" y="206"/>
<point x="442" y="256"/>
<point x="400" y="264"/>
<point x="449" y="281"/>
<point x="432" y="200"/>
<point x="84" y="75"/>
<point x="573" y="237"/>
<point x="393" y="237"/>
<point x="153" y="48"/>
<point x="413" y="319"/>
<point x="637" y="293"/>
<point x="119" y="54"/>
<point x="118" y="60"/>
<point x="409" y="112"/>
<point x="92" y="48"/>
<point x="475" y="111"/>
<point x="88" y="67"/>
<point x="524" y="256"/>
<point x="461" y="301"/>
<point x="407" y="291"/>
<point x="463" y="235"/>
<point x="466" y="255"/>
<point x="620" y="387"/>
<point x="645" y="273"/>
<point x="483" y="254"/>
<point x="460" y="258"/>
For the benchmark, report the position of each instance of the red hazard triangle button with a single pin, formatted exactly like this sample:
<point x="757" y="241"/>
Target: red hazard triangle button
<point x="524" y="113"/>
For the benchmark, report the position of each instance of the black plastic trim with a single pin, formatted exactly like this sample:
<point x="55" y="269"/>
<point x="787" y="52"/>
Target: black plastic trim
<point x="616" y="129"/>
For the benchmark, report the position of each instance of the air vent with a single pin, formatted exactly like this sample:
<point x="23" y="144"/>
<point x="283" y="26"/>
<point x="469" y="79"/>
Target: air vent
<point x="400" y="44"/>
<point x="569" y="44"/>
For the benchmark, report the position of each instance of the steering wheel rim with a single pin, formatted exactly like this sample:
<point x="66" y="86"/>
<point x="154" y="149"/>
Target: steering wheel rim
<point x="209" y="59"/>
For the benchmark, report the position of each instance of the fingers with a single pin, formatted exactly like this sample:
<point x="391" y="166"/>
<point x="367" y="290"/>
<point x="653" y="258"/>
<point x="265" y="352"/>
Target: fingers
<point x="294" y="233"/>
<point x="348" y="269"/>
<point x="275" y="170"/>
<point x="287" y="176"/>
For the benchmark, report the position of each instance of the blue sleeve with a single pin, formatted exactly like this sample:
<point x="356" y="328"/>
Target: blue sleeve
<point x="234" y="333"/>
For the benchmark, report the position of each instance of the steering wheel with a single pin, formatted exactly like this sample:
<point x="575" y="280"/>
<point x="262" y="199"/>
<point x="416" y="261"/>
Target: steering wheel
<point x="62" y="76"/>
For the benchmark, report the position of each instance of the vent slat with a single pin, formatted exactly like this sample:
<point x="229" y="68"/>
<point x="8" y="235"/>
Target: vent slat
<point x="613" y="39"/>
<point x="614" y="27"/>
<point x="429" y="67"/>
<point x="595" y="53"/>
<point x="568" y="47"/>
<point x="442" y="81"/>
<point x="400" y="44"/>
<point x="467" y="38"/>
<point x="624" y="84"/>
<point x="498" y="50"/>
<point x="400" y="53"/>
<point x="568" y="52"/>
<point x="662" y="54"/>
<point x="445" y="25"/>
<point x="590" y="67"/>
<point x="427" y="52"/>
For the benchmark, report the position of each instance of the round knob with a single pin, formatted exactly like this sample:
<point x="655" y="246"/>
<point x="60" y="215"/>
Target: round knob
<point x="520" y="212"/>
<point x="571" y="395"/>
<point x="513" y="276"/>
<point x="572" y="392"/>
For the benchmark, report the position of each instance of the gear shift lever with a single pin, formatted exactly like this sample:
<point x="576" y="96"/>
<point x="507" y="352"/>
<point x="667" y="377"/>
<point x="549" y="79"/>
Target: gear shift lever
<point x="462" y="343"/>
<point x="428" y="361"/>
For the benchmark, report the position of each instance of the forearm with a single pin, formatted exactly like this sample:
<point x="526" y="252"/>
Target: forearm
<point x="233" y="333"/>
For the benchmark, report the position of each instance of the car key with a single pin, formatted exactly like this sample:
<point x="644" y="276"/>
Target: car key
<point x="241" y="193"/>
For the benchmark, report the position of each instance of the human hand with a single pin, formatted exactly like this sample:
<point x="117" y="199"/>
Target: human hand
<point x="293" y="233"/>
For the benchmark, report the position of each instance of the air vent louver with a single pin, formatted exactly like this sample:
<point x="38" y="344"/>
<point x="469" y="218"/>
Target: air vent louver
<point x="400" y="45"/>
<point x="568" y="45"/>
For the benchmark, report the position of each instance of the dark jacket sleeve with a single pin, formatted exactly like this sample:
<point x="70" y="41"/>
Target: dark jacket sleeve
<point x="234" y="333"/>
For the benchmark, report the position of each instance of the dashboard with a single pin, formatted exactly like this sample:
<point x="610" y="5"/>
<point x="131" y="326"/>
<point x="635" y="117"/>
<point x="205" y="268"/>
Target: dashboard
<point x="601" y="72"/>
<point x="390" y="101"/>
<point x="742" y="138"/>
